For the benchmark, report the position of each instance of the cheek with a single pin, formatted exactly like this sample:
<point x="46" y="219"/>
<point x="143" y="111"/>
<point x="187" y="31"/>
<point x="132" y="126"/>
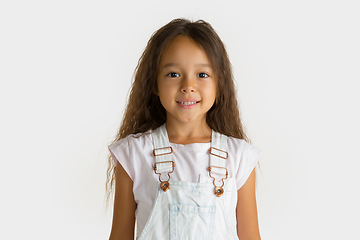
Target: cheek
<point x="165" y="96"/>
<point x="168" y="89"/>
<point x="162" y="85"/>
<point x="211" y="89"/>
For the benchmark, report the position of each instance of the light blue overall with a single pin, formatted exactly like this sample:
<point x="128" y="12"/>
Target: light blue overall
<point x="187" y="210"/>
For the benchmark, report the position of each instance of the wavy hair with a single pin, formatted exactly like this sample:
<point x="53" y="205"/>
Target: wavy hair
<point x="144" y="110"/>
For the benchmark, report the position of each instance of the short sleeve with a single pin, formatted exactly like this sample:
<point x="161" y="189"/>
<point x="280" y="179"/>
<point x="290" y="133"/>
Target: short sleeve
<point x="120" y="152"/>
<point x="248" y="157"/>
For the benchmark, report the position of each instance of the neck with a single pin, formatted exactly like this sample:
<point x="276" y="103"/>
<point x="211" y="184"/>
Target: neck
<point x="185" y="133"/>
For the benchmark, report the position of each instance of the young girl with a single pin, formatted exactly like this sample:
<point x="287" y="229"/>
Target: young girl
<point x="181" y="162"/>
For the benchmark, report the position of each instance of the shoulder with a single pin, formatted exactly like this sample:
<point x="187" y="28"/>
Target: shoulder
<point x="243" y="157"/>
<point x="132" y="140"/>
<point x="135" y="146"/>
<point x="240" y="146"/>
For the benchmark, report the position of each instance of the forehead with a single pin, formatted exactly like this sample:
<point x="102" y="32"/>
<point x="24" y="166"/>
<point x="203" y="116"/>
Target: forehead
<point x="184" y="49"/>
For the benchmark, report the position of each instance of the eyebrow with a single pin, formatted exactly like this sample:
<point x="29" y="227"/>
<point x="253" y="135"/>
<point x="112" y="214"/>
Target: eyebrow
<point x="170" y="65"/>
<point x="198" y="65"/>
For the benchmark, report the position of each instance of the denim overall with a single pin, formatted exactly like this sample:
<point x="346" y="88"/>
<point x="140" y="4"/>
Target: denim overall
<point x="187" y="210"/>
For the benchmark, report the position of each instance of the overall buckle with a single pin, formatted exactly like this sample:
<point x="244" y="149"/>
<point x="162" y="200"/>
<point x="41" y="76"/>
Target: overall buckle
<point x="164" y="185"/>
<point x="219" y="190"/>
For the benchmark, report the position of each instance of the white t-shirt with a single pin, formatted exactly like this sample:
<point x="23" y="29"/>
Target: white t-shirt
<point x="135" y="154"/>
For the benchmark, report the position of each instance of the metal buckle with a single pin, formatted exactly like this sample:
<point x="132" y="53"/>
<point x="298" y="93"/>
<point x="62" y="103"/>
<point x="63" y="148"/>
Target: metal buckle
<point x="219" y="190"/>
<point x="219" y="151"/>
<point x="154" y="151"/>
<point x="164" y="185"/>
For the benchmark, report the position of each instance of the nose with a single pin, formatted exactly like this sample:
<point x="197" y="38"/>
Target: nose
<point x="188" y="85"/>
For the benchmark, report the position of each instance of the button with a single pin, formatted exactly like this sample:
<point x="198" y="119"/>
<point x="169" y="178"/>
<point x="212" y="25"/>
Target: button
<point x="164" y="186"/>
<point x="219" y="191"/>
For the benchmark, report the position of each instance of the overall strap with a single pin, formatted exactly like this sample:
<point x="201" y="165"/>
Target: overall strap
<point x="162" y="150"/>
<point x="218" y="153"/>
<point x="218" y="156"/>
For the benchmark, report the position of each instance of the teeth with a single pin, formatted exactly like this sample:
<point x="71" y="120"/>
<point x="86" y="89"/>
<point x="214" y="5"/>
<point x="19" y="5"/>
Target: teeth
<point x="187" y="103"/>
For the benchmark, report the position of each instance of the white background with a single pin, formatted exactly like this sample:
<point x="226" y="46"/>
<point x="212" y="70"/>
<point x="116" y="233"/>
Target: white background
<point x="65" y="70"/>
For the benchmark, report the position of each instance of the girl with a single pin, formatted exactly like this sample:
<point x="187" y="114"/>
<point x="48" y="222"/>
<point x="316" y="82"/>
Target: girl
<point x="181" y="163"/>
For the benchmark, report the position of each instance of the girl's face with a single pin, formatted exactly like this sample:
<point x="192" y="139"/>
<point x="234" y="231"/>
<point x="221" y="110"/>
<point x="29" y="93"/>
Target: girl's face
<point x="186" y="84"/>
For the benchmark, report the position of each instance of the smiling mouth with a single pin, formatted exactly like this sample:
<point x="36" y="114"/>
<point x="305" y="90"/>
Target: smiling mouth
<point x="188" y="103"/>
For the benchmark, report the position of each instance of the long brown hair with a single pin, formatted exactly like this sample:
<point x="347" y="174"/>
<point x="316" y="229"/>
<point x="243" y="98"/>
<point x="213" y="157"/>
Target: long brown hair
<point x="144" y="110"/>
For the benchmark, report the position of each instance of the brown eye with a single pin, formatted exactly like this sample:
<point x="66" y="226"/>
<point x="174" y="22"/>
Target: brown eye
<point x="203" y="75"/>
<point x="173" y="75"/>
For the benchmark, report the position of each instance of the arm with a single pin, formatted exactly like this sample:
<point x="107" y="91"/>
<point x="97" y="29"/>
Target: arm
<point x="246" y="212"/>
<point x="124" y="206"/>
